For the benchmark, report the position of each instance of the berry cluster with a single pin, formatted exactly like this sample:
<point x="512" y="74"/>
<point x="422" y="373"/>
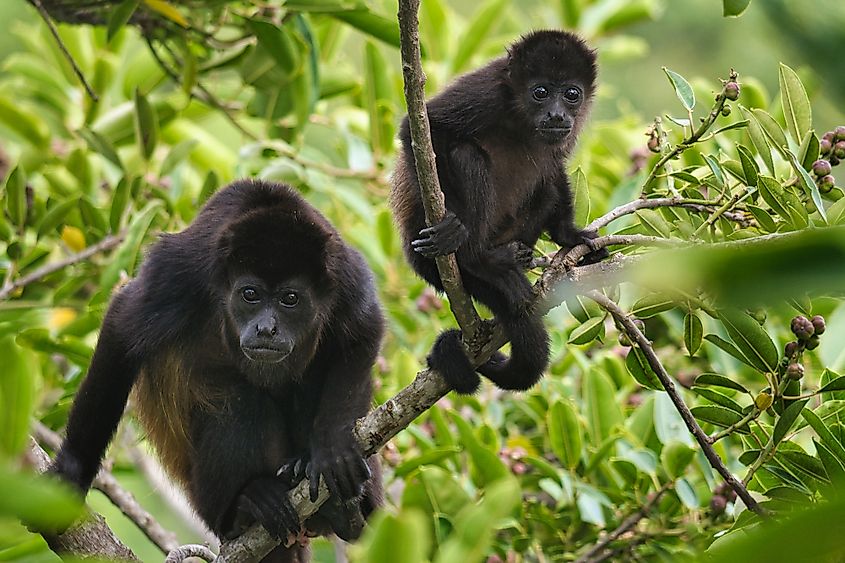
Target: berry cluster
<point x="722" y="495"/>
<point x="807" y="331"/>
<point x="832" y="150"/>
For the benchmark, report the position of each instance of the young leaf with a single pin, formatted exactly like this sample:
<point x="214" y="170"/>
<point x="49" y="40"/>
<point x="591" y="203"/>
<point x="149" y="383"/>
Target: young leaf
<point x="682" y="88"/>
<point x="651" y="305"/>
<point x="99" y="144"/>
<point x="718" y="398"/>
<point x="716" y="168"/>
<point x="375" y="25"/>
<point x="146" y="125"/>
<point x="601" y="407"/>
<point x="824" y="432"/>
<point x="729" y="348"/>
<point x="764" y="220"/>
<point x="168" y="11"/>
<point x="808" y="152"/>
<point x="676" y="457"/>
<point x="55" y="216"/>
<point x="749" y="166"/>
<point x="795" y="103"/>
<point x="588" y="331"/>
<point x="720" y="416"/>
<point x="16" y="196"/>
<point x="693" y="332"/>
<point x="641" y="370"/>
<point x="809" y="185"/>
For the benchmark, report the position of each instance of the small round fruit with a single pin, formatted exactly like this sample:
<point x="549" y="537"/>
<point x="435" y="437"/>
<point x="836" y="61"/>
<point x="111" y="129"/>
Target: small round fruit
<point x="825" y="146"/>
<point x="624" y="340"/>
<point x="826" y="183"/>
<point x="812" y="343"/>
<point x="718" y="504"/>
<point x="726" y="110"/>
<point x="790" y="349"/>
<point x="821" y="167"/>
<point x="818" y="324"/>
<point x="801" y="327"/>
<point x="839" y="133"/>
<point x="839" y="150"/>
<point x="795" y="371"/>
<point x="732" y="91"/>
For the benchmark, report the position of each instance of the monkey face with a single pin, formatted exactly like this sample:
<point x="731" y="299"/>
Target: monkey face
<point x="553" y="109"/>
<point x="271" y="319"/>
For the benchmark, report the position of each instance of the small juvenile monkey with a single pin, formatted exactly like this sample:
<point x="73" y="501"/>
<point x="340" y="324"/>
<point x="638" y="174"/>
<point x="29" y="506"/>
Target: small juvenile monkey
<point x="501" y="135"/>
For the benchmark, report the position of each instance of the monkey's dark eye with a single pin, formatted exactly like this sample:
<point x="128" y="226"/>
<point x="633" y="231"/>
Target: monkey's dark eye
<point x="540" y="93"/>
<point x="250" y="295"/>
<point x="289" y="299"/>
<point x="572" y="94"/>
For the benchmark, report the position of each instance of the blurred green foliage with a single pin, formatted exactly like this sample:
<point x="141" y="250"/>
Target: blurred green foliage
<point x="311" y="94"/>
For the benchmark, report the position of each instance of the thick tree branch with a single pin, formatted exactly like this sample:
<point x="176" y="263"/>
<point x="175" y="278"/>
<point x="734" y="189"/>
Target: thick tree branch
<point x="432" y="197"/>
<point x="106" y="483"/>
<point x="91" y="537"/>
<point x="703" y="440"/>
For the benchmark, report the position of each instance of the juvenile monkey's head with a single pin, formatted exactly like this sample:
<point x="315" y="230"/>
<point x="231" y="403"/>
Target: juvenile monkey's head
<point x="552" y="75"/>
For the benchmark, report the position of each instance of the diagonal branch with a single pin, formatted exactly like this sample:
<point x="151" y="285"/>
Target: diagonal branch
<point x="703" y="440"/>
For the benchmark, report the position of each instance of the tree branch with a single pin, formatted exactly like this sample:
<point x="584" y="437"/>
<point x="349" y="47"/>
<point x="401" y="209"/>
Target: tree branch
<point x="703" y="441"/>
<point x="432" y="197"/>
<point x="63" y="48"/>
<point x="107" y="243"/>
<point x="91" y="537"/>
<point x="106" y="483"/>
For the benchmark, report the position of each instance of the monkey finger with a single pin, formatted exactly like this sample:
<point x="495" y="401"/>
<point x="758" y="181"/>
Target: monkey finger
<point x="422" y="241"/>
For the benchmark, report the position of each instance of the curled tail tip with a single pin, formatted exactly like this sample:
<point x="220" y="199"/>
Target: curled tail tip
<point x="447" y="357"/>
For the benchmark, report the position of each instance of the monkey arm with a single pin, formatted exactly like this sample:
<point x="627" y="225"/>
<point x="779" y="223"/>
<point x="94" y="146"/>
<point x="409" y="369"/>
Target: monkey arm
<point x="101" y="397"/>
<point x="465" y="181"/>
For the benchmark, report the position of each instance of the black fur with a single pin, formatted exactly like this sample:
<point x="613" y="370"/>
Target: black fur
<point x="224" y="424"/>
<point x="500" y="154"/>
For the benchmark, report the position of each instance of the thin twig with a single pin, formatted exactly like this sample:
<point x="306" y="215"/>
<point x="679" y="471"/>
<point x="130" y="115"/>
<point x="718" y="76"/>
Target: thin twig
<point x="107" y="243"/>
<point x="105" y="482"/>
<point x="626" y="525"/>
<point x="63" y="48"/>
<point x="432" y="197"/>
<point x="632" y="206"/>
<point x="645" y="346"/>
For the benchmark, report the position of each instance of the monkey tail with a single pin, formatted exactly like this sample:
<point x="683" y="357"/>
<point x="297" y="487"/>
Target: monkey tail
<point x="528" y="360"/>
<point x="529" y="354"/>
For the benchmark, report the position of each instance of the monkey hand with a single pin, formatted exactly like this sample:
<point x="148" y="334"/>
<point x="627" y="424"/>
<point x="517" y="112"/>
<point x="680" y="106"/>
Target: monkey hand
<point x="523" y="254"/>
<point x="441" y="239"/>
<point x="266" y="500"/>
<point x="340" y="463"/>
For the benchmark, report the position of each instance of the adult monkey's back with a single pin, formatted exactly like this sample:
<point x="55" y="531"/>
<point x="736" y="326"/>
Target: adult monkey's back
<point x="501" y="135"/>
<point x="249" y="339"/>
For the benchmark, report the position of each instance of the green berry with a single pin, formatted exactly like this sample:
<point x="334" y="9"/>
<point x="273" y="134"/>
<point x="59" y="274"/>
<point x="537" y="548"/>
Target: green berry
<point x="726" y="110"/>
<point x="839" y="133"/>
<point x="623" y="339"/>
<point x="826" y="183"/>
<point x="839" y="149"/>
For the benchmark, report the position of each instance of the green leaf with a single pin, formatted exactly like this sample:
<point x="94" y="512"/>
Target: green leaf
<point x="39" y="500"/>
<point x="17" y="395"/>
<point x="771" y="128"/>
<point x="654" y="222"/>
<point x="795" y="103"/>
<point x="378" y="91"/>
<point x="787" y="419"/>
<point x="126" y="256"/>
<point x="676" y="457"/>
<point x="686" y="492"/>
<point x="581" y="197"/>
<point x="720" y="416"/>
<point x="477" y="31"/>
<point x="100" y="144"/>
<point x="825" y="434"/>
<point x="375" y="25"/>
<point x="682" y="88"/>
<point x="565" y="434"/>
<point x="716" y="168"/>
<point x="25" y="123"/>
<point x="16" y="196"/>
<point x="837" y="384"/>
<point x="717" y="380"/>
<point x="751" y="339"/>
<point x="209" y="186"/>
<point x="733" y="8"/>
<point x="587" y="332"/>
<point x="279" y="43"/>
<point x="749" y="165"/>
<point x="758" y="139"/>
<point x="640" y="369"/>
<point x="485" y="465"/>
<point x="809" y="185"/>
<point x="396" y="538"/>
<point x="806" y="464"/>
<point x="176" y="155"/>
<point x="432" y="457"/>
<point x="693" y="332"/>
<point x="651" y="305"/>
<point x="772" y="193"/>
<point x="601" y="408"/>
<point x="832" y="466"/>
<point x="729" y="348"/>
<point x="718" y="398"/>
<point x="808" y="152"/>
<point x="146" y="125"/>
<point x="571" y="12"/>
<point x="119" y="201"/>
<point x="55" y="215"/>
<point x="120" y="16"/>
<point x="764" y="220"/>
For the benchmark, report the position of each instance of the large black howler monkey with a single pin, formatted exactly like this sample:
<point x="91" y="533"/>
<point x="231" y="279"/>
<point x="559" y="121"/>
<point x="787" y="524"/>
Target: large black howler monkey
<point x="501" y="135"/>
<point x="248" y="338"/>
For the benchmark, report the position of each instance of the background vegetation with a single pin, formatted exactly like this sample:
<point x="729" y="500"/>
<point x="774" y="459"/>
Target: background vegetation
<point x="310" y="93"/>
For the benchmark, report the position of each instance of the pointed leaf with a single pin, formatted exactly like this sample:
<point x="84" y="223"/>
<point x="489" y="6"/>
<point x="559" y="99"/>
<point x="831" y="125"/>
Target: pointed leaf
<point x="676" y="457"/>
<point x="729" y="348"/>
<point x="787" y="419"/>
<point x="581" y="197"/>
<point x="717" y="380"/>
<point x="733" y="8"/>
<point x="771" y="128"/>
<point x="758" y="139"/>
<point x="825" y="434"/>
<point x="720" y="416"/>
<point x="764" y="220"/>
<point x="837" y="384"/>
<point x="751" y="339"/>
<point x="772" y="193"/>
<point x="16" y="196"/>
<point x="477" y="31"/>
<point x="601" y="408"/>
<point x="693" y="332"/>
<point x="809" y="185"/>
<point x="808" y="152"/>
<point x="716" y="168"/>
<point x="587" y="332"/>
<point x="146" y="125"/>
<point x="718" y="398"/>
<point x="651" y="305"/>
<point x="682" y="88"/>
<point x="565" y="434"/>
<point x="120" y="16"/>
<point x="795" y="103"/>
<point x="749" y="166"/>
<point x="640" y="369"/>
